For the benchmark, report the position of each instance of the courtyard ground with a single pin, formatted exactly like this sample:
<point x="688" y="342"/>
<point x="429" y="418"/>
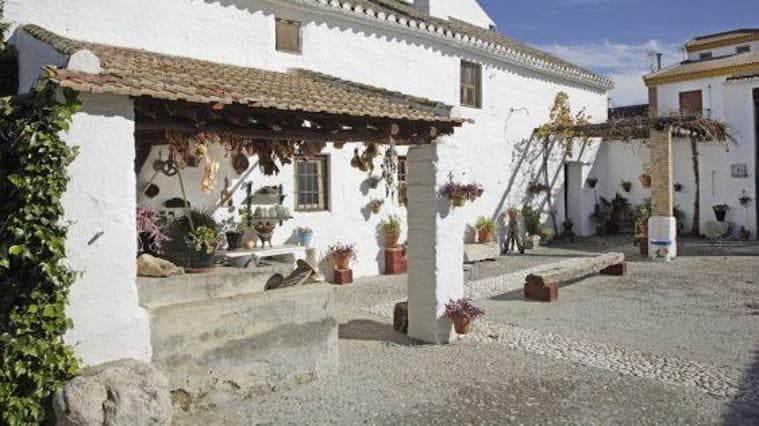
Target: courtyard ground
<point x="670" y="343"/>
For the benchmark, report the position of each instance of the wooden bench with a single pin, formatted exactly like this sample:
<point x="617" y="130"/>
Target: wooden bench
<point x="544" y="286"/>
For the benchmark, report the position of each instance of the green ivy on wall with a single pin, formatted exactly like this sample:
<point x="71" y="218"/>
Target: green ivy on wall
<point x="8" y="61"/>
<point x="34" y="282"/>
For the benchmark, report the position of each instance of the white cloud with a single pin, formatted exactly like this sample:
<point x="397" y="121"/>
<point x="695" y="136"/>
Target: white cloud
<point x="626" y="64"/>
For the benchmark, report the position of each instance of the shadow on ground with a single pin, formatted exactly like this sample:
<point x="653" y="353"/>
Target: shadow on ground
<point x="369" y="330"/>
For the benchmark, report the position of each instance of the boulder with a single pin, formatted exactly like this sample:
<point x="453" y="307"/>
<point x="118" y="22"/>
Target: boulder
<point x="150" y="266"/>
<point x="124" y="392"/>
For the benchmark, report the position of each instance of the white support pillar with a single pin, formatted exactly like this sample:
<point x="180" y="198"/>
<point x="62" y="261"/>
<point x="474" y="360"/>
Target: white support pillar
<point x="435" y="248"/>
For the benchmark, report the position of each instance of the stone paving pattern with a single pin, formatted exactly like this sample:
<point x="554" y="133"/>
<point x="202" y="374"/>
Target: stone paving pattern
<point x="669" y="343"/>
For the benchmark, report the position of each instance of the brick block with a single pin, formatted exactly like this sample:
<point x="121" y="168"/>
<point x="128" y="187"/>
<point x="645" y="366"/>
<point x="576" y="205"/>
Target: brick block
<point x="395" y="261"/>
<point x="617" y="270"/>
<point x="542" y="293"/>
<point x="343" y="276"/>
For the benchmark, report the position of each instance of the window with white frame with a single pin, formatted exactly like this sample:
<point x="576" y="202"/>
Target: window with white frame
<point x="312" y="183"/>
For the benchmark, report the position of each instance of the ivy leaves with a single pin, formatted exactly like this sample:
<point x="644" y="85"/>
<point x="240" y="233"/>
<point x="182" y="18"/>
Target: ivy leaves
<point x="34" y="283"/>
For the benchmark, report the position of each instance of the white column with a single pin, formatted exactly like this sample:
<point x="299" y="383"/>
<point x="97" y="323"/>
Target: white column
<point x="435" y="247"/>
<point x="109" y="323"/>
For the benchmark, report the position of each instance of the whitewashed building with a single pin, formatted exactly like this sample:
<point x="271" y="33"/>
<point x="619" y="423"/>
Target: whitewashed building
<point x="496" y="89"/>
<point x="719" y="79"/>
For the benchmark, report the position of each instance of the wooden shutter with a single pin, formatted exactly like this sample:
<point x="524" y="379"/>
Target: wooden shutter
<point x="288" y="36"/>
<point x="691" y="103"/>
<point x="653" y="102"/>
<point x="471" y="84"/>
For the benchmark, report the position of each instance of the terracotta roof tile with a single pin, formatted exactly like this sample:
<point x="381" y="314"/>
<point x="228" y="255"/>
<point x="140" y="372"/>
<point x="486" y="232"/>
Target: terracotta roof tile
<point x="136" y="72"/>
<point x="694" y="68"/>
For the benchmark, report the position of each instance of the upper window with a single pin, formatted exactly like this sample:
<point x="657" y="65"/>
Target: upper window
<point x="691" y="103"/>
<point x="743" y="49"/>
<point x="471" y="84"/>
<point x="288" y="36"/>
<point x="705" y="55"/>
<point x="312" y="183"/>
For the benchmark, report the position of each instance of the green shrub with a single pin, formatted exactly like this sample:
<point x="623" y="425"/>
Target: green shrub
<point x="531" y="218"/>
<point x="34" y="282"/>
<point x="8" y="62"/>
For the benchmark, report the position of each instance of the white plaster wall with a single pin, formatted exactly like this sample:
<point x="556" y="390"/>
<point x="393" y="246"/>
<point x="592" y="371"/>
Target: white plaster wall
<point x="494" y="151"/>
<point x="723" y="51"/>
<point x="99" y="205"/>
<point x="466" y="10"/>
<point x="731" y="102"/>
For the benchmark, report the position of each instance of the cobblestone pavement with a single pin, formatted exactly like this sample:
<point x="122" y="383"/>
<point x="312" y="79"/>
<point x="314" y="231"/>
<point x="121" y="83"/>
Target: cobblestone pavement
<point x="670" y="343"/>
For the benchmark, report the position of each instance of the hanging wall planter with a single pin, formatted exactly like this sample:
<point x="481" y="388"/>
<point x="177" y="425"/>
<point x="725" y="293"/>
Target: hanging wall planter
<point x="720" y="212"/>
<point x="458" y="194"/>
<point x="678" y="187"/>
<point x="645" y="180"/>
<point x="592" y="182"/>
<point x="745" y="200"/>
<point x="376" y="206"/>
<point x="626" y="185"/>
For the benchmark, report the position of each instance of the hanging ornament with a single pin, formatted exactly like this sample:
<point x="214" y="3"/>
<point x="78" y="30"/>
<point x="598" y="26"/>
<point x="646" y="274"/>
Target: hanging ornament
<point x="390" y="169"/>
<point x="240" y="163"/>
<point x="226" y="194"/>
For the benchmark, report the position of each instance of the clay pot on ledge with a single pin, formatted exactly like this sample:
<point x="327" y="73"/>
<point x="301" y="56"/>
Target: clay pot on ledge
<point x="342" y="262"/>
<point x="645" y="180"/>
<point x="462" y="325"/>
<point x="484" y="236"/>
<point x="391" y="240"/>
<point x="234" y="240"/>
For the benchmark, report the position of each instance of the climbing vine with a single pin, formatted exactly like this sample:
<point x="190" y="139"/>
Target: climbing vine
<point x="34" y="283"/>
<point x="8" y="61"/>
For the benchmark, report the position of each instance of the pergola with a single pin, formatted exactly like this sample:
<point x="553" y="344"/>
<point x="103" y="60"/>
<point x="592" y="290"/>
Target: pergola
<point x="659" y="131"/>
<point x="277" y="115"/>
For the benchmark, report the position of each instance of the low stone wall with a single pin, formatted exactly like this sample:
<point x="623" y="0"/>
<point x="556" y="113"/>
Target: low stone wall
<point x="251" y="343"/>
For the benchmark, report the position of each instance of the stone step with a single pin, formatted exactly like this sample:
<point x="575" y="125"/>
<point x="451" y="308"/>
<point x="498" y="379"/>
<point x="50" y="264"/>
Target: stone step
<point x="224" y="282"/>
<point x="221" y="348"/>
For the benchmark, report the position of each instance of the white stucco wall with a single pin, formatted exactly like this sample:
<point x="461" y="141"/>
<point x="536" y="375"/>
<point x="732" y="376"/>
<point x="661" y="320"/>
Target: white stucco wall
<point x="732" y="103"/>
<point x="99" y="205"/>
<point x="494" y="151"/>
<point x="723" y="51"/>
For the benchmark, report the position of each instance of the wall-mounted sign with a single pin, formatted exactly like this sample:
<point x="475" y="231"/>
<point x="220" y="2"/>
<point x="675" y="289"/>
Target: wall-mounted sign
<point x="739" y="170"/>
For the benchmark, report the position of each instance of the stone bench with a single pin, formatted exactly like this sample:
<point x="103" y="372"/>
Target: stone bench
<point x="544" y="286"/>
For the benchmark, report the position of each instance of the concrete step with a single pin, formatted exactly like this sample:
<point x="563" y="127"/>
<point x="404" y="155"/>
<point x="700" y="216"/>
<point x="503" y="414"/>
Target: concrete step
<point x="219" y="348"/>
<point x="224" y="282"/>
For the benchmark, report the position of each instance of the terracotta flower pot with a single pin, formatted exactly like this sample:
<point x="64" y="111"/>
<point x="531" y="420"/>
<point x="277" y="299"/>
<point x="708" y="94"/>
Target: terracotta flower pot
<point x="484" y="236"/>
<point x="376" y="208"/>
<point x="342" y="262"/>
<point x="391" y="240"/>
<point x="458" y="200"/>
<point x="645" y="180"/>
<point x="462" y="325"/>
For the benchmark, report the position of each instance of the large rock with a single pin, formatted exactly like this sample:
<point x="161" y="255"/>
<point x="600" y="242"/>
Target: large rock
<point x="124" y="392"/>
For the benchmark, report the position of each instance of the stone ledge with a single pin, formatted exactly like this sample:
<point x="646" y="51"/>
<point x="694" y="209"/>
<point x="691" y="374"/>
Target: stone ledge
<point x="474" y="253"/>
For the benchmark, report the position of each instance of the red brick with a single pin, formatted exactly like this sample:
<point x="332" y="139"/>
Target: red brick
<point x="541" y="293"/>
<point x="617" y="270"/>
<point x="395" y="261"/>
<point x="343" y="276"/>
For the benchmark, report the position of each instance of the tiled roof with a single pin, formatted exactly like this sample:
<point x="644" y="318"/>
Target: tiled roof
<point x="744" y="77"/>
<point x="728" y="36"/>
<point x="695" y="69"/>
<point x="399" y="14"/>
<point x="135" y="72"/>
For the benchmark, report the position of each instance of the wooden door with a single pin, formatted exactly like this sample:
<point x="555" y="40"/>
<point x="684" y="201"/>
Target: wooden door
<point x="691" y="103"/>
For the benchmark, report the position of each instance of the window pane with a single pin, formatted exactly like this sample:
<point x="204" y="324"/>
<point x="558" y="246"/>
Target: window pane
<point x="288" y="36"/>
<point x="311" y="177"/>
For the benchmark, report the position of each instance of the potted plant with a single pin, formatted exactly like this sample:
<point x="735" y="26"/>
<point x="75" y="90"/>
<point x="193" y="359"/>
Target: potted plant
<point x="642" y="215"/>
<point x="459" y="193"/>
<point x="201" y="248"/>
<point x="720" y="211"/>
<point x="375" y="206"/>
<point x="304" y="236"/>
<point x="626" y="185"/>
<point x="592" y="182"/>
<point x="342" y="255"/>
<point x="545" y="232"/>
<point x="485" y="229"/>
<point x="234" y="231"/>
<point x="391" y="229"/>
<point x="150" y="231"/>
<point x="744" y="234"/>
<point x="744" y="199"/>
<point x="531" y="219"/>
<point x="645" y="178"/>
<point x="536" y="188"/>
<point x="462" y="313"/>
<point x="601" y="216"/>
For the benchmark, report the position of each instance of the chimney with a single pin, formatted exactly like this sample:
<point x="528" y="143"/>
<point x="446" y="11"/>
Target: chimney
<point x="658" y="61"/>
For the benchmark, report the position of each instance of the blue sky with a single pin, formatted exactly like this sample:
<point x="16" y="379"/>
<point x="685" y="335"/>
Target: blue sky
<point x="614" y="37"/>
